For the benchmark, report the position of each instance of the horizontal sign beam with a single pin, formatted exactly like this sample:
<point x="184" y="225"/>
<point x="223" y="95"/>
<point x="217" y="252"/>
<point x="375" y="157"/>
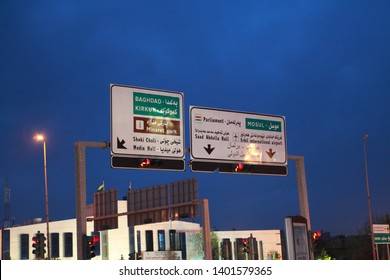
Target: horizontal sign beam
<point x="195" y="202"/>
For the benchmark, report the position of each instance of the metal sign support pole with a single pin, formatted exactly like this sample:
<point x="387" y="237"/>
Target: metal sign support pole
<point x="302" y="189"/>
<point x="81" y="193"/>
<point x="206" y="230"/>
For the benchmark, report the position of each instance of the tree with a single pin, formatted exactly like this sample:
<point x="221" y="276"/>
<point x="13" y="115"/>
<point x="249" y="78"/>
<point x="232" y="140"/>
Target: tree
<point x="215" y="251"/>
<point x="323" y="255"/>
<point x="273" y="255"/>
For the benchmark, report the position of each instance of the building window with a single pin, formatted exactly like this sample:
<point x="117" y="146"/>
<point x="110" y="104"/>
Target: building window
<point x="149" y="240"/>
<point x="161" y="240"/>
<point x="55" y="245"/>
<point x="5" y="245"/>
<point x="68" y="249"/>
<point x="183" y="246"/>
<point x="261" y="250"/>
<point x="172" y="239"/>
<point x="24" y="238"/>
<point x="138" y="241"/>
<point x="226" y="249"/>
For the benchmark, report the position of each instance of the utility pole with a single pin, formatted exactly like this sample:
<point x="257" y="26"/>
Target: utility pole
<point x="374" y="256"/>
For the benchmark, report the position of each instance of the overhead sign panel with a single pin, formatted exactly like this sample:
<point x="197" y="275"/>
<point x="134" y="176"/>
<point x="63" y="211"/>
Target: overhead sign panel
<point x="237" y="137"/>
<point x="146" y="123"/>
<point x="381" y="228"/>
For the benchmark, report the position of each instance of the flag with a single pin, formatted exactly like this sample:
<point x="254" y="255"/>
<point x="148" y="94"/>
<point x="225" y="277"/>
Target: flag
<point x="101" y="187"/>
<point x="198" y="118"/>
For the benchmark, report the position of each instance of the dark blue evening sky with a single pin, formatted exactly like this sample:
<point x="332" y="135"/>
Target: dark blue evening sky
<point x="324" y="65"/>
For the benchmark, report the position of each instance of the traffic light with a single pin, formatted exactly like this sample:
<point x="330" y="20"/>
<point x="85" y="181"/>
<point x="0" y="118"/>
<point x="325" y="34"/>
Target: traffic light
<point x="315" y="244"/>
<point x="315" y="235"/>
<point x="145" y="163"/>
<point x="245" y="245"/>
<point x="90" y="246"/>
<point x="243" y="248"/>
<point x="148" y="163"/>
<point x="238" y="168"/>
<point x="35" y="245"/>
<point x="242" y="168"/>
<point x="39" y="245"/>
<point x="96" y="242"/>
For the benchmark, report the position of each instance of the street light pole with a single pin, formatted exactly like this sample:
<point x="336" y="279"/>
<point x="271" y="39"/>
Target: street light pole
<point x="365" y="138"/>
<point x="41" y="138"/>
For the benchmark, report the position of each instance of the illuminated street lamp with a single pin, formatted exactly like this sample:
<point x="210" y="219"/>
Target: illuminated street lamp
<point x="365" y="138"/>
<point x="41" y="138"/>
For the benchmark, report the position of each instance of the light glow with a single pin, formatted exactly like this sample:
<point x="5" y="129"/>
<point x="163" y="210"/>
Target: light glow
<point x="39" y="137"/>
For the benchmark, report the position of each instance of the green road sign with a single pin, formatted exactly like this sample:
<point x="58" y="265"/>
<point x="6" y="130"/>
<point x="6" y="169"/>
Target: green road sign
<point x="382" y="238"/>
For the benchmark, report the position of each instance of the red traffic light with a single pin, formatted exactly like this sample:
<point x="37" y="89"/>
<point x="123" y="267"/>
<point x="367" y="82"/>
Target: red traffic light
<point x="89" y="246"/>
<point x="316" y="235"/>
<point x="145" y="162"/>
<point x="95" y="239"/>
<point x="239" y="167"/>
<point x="245" y="245"/>
<point x="38" y="243"/>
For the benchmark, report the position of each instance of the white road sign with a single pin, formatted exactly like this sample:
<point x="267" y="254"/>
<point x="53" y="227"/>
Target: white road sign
<point x="230" y="136"/>
<point x="146" y="122"/>
<point x="381" y="228"/>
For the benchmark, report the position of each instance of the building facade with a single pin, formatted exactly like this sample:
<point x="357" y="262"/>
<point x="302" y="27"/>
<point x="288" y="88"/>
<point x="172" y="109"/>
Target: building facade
<point x="165" y="240"/>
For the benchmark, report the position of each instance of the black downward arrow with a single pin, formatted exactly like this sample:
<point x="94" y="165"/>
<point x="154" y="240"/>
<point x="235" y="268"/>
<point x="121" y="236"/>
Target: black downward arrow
<point x="209" y="150"/>
<point x="120" y="144"/>
<point x="270" y="153"/>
